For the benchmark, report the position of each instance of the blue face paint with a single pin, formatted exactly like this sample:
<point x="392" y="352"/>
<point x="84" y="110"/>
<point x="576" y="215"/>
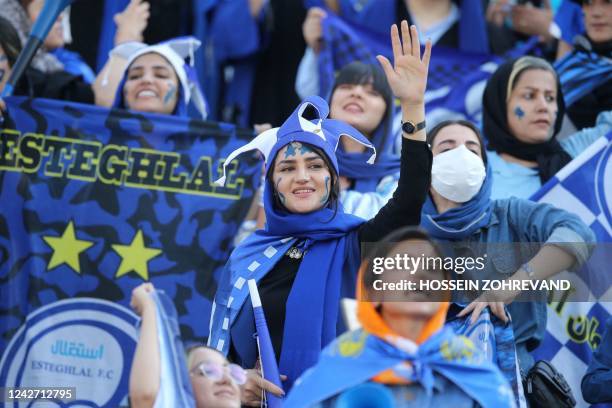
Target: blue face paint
<point x="2" y="72"/>
<point x="170" y="94"/>
<point x="326" y="195"/>
<point x="519" y="112"/>
<point x="281" y="196"/>
<point x="305" y="149"/>
<point x="291" y="149"/>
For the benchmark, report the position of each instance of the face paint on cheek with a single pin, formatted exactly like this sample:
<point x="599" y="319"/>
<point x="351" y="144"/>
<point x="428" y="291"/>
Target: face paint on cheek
<point x="326" y="195"/>
<point x="519" y="112"/>
<point x="281" y="196"/>
<point x="170" y="94"/>
<point x="2" y="72"/>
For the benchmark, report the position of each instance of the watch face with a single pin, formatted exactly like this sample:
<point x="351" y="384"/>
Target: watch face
<point x="408" y="127"/>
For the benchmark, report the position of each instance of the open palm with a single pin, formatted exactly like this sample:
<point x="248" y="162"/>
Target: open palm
<point x="408" y="74"/>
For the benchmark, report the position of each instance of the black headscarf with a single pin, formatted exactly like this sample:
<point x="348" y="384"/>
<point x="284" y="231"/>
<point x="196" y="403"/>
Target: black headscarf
<point x="549" y="155"/>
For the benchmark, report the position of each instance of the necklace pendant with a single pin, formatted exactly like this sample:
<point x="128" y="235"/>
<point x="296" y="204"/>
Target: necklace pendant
<point x="294" y="253"/>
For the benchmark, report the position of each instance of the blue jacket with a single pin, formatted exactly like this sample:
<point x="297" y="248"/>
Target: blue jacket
<point x="597" y="382"/>
<point x="522" y="221"/>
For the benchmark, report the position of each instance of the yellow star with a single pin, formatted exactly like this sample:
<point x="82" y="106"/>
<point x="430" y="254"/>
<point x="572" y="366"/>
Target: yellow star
<point x="134" y="257"/>
<point x="66" y="249"/>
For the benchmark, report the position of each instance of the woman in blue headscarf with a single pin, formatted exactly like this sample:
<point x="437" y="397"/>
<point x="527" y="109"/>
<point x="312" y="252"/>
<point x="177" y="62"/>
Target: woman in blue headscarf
<point x="158" y="80"/>
<point x="545" y="240"/>
<point x="306" y="258"/>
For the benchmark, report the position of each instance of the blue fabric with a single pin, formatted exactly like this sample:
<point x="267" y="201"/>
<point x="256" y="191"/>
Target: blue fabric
<point x="580" y="72"/>
<point x="107" y="33"/>
<point x="598" y="378"/>
<point x="328" y="267"/>
<point x="460" y="222"/>
<point x="570" y="20"/>
<point x="357" y="356"/>
<point x="74" y="64"/>
<point x="367" y="176"/>
<point x="175" y="386"/>
<point x="496" y="339"/>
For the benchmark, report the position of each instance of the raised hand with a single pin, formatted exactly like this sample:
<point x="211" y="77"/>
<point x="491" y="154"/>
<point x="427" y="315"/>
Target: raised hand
<point x="132" y="22"/>
<point x="141" y="298"/>
<point x="408" y="74"/>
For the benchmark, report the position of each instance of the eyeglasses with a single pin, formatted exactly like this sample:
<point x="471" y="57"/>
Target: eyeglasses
<point x="215" y="372"/>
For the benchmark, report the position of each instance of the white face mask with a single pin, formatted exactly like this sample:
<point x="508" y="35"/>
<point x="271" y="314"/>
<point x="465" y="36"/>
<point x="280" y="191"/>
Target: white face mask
<point x="457" y="174"/>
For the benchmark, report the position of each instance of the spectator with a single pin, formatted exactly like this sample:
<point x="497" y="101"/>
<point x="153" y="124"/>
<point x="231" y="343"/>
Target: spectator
<point x="522" y="114"/>
<point x="54" y="43"/>
<point x="400" y="332"/>
<point x="459" y="208"/>
<point x="214" y="381"/>
<point x="453" y="24"/>
<point x="35" y="83"/>
<point x="597" y="382"/>
<point x="304" y="260"/>
<point x="586" y="73"/>
<point x="157" y="79"/>
<point x="362" y="98"/>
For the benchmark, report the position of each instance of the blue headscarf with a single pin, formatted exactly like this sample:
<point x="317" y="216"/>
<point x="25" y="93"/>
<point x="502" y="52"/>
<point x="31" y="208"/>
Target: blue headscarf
<point x="354" y="165"/>
<point x="460" y="222"/>
<point x="190" y="100"/>
<point x="326" y="272"/>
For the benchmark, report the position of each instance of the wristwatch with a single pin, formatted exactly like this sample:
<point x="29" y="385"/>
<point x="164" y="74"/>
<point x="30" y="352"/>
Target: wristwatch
<point x="410" y="128"/>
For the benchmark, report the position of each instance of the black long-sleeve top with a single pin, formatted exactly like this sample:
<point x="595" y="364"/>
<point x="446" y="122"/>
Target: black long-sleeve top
<point x="403" y="209"/>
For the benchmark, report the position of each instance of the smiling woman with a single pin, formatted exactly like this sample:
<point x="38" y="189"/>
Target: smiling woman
<point x="158" y="80"/>
<point x="151" y="85"/>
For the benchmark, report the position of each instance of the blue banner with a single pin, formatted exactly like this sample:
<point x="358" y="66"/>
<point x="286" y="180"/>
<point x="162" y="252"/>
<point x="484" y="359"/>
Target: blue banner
<point x="94" y="202"/>
<point x="575" y="329"/>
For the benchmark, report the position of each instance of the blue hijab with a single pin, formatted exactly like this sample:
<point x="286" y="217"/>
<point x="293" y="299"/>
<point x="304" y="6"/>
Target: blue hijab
<point x="460" y="222"/>
<point x="326" y="273"/>
<point x="190" y="101"/>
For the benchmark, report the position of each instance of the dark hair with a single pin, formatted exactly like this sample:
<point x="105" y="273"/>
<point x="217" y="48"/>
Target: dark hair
<point x="9" y="41"/>
<point x="431" y="135"/>
<point x="359" y="73"/>
<point x="381" y="250"/>
<point x="334" y="194"/>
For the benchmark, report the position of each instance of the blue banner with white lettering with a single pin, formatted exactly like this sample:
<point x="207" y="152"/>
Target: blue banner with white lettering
<point x="94" y="202"/>
<point x="575" y="329"/>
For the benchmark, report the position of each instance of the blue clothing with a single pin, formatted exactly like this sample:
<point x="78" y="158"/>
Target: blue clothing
<point x="597" y="382"/>
<point x="515" y="180"/>
<point x="358" y="356"/>
<point x="515" y="220"/>
<point x="74" y="64"/>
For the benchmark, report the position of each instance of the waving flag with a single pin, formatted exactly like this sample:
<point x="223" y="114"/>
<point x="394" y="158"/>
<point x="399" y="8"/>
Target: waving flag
<point x="94" y="202"/>
<point x="575" y="329"/>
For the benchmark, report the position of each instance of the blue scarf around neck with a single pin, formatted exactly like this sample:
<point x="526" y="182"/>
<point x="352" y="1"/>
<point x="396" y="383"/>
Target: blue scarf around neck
<point x="332" y="249"/>
<point x="460" y="222"/>
<point x="358" y="356"/>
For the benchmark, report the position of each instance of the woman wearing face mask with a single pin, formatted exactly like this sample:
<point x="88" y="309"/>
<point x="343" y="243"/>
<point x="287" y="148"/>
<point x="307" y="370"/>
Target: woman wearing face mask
<point x="158" y="80"/>
<point x="522" y="114"/>
<point x="305" y="259"/>
<point x="401" y="330"/>
<point x="214" y="382"/>
<point x="460" y="208"/>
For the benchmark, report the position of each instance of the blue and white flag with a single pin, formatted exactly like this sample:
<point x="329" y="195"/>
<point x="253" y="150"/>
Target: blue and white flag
<point x="574" y="329"/>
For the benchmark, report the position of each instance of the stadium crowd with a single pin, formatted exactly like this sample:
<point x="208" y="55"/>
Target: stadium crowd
<point x="355" y="161"/>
